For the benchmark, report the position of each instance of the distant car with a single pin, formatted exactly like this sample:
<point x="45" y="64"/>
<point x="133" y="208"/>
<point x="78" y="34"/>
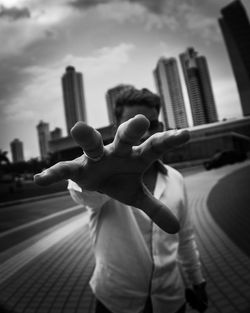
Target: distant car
<point x="223" y="158"/>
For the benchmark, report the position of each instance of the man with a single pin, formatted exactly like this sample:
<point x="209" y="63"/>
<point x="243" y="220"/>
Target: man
<point x="141" y="260"/>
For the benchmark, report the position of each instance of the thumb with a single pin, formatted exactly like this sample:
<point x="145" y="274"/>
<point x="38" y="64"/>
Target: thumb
<point x="159" y="213"/>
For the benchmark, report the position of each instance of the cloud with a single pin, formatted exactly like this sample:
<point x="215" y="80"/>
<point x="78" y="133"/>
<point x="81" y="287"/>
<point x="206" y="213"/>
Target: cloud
<point x="135" y="12"/>
<point x="197" y="22"/>
<point x="85" y="4"/>
<point x="189" y="15"/>
<point x="20" y="35"/>
<point x="206" y="27"/>
<point x="103" y="60"/>
<point x="169" y="14"/>
<point x="152" y="6"/>
<point x="19" y="112"/>
<point x="227" y="98"/>
<point x="148" y="12"/>
<point x="12" y="80"/>
<point x="38" y="88"/>
<point x="157" y="7"/>
<point x="14" y="13"/>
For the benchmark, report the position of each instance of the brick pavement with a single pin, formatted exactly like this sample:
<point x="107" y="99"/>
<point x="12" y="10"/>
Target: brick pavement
<point x="226" y="267"/>
<point x="55" y="279"/>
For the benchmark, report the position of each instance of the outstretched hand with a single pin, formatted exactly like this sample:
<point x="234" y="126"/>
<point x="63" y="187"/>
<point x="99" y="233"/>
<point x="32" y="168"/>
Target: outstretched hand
<point x="117" y="169"/>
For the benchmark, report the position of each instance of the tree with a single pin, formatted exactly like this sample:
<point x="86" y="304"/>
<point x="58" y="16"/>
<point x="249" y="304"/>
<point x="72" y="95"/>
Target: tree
<point x="3" y="157"/>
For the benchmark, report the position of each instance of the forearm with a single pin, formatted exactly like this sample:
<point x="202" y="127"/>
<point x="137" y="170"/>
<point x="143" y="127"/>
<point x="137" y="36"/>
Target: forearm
<point x="189" y="257"/>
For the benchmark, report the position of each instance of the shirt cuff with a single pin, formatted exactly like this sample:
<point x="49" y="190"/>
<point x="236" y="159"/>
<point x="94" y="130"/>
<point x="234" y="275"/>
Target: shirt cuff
<point x="90" y="199"/>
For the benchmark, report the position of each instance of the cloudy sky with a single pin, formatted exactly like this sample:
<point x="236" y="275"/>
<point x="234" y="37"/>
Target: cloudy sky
<point x="110" y="42"/>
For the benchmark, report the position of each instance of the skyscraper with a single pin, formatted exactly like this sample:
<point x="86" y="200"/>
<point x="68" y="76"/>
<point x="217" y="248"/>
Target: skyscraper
<point x="111" y="96"/>
<point x="197" y="78"/>
<point x="16" y="147"/>
<point x="56" y="133"/>
<point x="235" y="28"/>
<point x="73" y="96"/>
<point x="43" y="137"/>
<point x="168" y="84"/>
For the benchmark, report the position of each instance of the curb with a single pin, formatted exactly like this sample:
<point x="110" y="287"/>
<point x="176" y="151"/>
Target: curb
<point x="33" y="199"/>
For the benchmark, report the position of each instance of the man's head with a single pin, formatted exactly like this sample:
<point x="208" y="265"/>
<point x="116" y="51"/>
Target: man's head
<point x="132" y="101"/>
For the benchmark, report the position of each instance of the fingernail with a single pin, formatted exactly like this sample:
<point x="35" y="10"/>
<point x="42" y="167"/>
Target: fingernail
<point x="172" y="132"/>
<point x="180" y="131"/>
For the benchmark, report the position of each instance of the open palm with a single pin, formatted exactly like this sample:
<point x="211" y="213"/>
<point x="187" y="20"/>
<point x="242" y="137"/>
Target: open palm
<point x="117" y="169"/>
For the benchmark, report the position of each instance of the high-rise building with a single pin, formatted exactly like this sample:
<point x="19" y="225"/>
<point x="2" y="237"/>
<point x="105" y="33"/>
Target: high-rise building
<point x="111" y="96"/>
<point x="73" y="96"/>
<point x="56" y="133"/>
<point x="168" y="84"/>
<point x="235" y="28"/>
<point x="16" y="147"/>
<point x="44" y="138"/>
<point x="197" y="78"/>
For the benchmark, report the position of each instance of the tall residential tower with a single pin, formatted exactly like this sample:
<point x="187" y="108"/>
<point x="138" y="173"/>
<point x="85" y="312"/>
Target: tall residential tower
<point x="235" y="28"/>
<point x="73" y="96"/>
<point x="111" y="96"/>
<point x="16" y="147"/>
<point x="168" y="84"/>
<point x="197" y="78"/>
<point x="44" y="138"/>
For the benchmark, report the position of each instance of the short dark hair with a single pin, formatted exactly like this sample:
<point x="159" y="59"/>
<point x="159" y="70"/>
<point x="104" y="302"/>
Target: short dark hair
<point x="133" y="97"/>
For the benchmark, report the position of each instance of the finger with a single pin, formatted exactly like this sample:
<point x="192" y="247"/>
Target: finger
<point x="159" y="213"/>
<point x="58" y="172"/>
<point x="129" y="133"/>
<point x="154" y="147"/>
<point x="89" y="139"/>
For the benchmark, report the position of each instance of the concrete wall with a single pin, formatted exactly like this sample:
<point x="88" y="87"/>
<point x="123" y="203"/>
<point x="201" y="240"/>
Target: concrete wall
<point x="205" y="141"/>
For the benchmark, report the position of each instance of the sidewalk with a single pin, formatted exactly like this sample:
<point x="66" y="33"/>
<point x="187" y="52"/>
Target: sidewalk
<point x="52" y="274"/>
<point x="226" y="267"/>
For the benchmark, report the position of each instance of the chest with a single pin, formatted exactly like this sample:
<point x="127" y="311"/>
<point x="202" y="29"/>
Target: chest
<point x="149" y="180"/>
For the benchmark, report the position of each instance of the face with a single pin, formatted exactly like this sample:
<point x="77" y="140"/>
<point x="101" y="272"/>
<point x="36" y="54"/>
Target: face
<point x="150" y="113"/>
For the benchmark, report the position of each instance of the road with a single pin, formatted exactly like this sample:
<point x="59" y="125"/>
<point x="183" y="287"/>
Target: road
<point x="22" y="221"/>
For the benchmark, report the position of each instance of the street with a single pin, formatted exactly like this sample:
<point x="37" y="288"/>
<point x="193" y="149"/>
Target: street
<point x="22" y="221"/>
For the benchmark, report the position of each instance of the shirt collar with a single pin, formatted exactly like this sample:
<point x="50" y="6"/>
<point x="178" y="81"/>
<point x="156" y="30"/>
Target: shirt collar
<point x="161" y="167"/>
<point x="161" y="179"/>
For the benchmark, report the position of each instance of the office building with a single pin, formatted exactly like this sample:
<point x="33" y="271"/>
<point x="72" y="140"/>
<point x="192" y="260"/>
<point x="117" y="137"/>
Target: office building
<point x="56" y="134"/>
<point x="199" y="88"/>
<point x="111" y="96"/>
<point x="198" y="83"/>
<point x="43" y="138"/>
<point x="73" y="96"/>
<point x="16" y="147"/>
<point x="168" y="84"/>
<point x="235" y="28"/>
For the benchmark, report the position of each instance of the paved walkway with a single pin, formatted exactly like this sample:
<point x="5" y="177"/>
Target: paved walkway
<point x="51" y="273"/>
<point x="226" y="267"/>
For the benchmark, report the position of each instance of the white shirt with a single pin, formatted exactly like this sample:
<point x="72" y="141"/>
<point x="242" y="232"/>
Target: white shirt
<point x="134" y="257"/>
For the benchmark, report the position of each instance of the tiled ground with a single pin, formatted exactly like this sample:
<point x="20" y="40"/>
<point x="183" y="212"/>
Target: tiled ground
<point x="226" y="267"/>
<point x="52" y="275"/>
<point x="56" y="280"/>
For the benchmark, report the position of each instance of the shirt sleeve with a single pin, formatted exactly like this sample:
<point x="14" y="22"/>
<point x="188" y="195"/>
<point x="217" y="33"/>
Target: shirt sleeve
<point x="92" y="200"/>
<point x="188" y="254"/>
